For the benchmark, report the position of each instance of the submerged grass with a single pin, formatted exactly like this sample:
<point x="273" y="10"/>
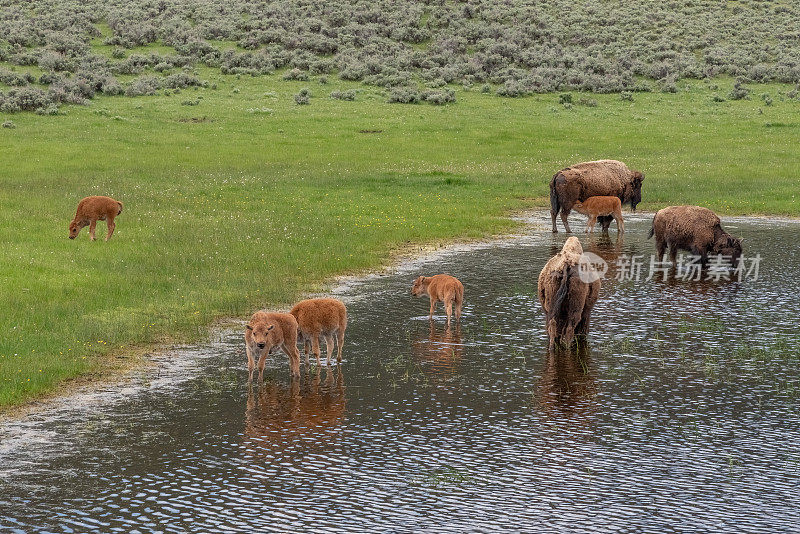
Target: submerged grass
<point x="227" y="210"/>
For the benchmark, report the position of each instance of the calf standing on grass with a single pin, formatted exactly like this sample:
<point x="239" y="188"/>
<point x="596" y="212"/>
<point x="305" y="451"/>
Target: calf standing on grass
<point x="93" y="209"/>
<point x="442" y="287"/>
<point x="317" y="318"/>
<point x="265" y="333"/>
<point x="596" y="207"/>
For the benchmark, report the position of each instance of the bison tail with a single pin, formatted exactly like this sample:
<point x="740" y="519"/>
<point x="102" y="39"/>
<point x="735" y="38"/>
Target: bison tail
<point x="120" y="207"/>
<point x="555" y="205"/>
<point x="563" y="290"/>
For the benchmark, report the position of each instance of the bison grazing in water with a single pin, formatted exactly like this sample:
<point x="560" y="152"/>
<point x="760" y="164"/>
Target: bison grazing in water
<point x="695" y="229"/>
<point x="606" y="177"/>
<point x="566" y="296"/>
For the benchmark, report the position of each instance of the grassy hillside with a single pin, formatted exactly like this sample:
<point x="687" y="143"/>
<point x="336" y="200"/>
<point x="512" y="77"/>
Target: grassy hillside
<point x="245" y="199"/>
<point x="67" y="51"/>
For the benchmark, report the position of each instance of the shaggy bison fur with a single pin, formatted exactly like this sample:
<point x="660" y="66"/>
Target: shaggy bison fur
<point x="93" y="209"/>
<point x="317" y="318"/>
<point x="606" y="177"/>
<point x="694" y="229"/>
<point x="567" y="299"/>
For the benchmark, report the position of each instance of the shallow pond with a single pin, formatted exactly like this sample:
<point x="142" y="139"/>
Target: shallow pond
<point x="681" y="414"/>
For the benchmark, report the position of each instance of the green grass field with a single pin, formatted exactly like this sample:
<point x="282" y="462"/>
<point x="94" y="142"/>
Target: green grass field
<point x="245" y="199"/>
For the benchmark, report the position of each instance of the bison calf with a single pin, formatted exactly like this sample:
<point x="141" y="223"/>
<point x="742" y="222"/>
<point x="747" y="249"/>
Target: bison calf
<point x="317" y="318"/>
<point x="596" y="207"/>
<point x="267" y="332"/>
<point x="694" y="229"/>
<point x="566" y="296"/>
<point x="441" y="287"/>
<point x="93" y="209"/>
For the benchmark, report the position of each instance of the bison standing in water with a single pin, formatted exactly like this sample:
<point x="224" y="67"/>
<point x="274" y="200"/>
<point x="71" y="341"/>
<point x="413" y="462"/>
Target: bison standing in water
<point x="566" y="296"/>
<point x="695" y="229"/>
<point x="606" y="177"/>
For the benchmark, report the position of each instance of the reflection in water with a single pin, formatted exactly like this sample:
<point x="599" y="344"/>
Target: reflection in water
<point x="442" y="349"/>
<point x="605" y="247"/>
<point x="308" y="411"/>
<point x="567" y="387"/>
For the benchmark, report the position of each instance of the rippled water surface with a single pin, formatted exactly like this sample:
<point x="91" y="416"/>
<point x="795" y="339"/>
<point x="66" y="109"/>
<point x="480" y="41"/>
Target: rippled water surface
<point x="681" y="414"/>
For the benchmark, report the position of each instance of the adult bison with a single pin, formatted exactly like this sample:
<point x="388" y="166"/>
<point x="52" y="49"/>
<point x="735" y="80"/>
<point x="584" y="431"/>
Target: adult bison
<point x="606" y="177"/>
<point x="695" y="229"/>
<point x="568" y="289"/>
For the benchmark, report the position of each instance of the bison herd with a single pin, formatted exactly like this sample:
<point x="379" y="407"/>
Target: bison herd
<point x="568" y="285"/>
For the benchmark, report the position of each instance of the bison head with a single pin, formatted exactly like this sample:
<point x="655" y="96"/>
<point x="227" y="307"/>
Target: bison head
<point x="73" y="230"/>
<point x="262" y="336"/>
<point x="633" y="190"/>
<point x="729" y="246"/>
<point x="420" y="286"/>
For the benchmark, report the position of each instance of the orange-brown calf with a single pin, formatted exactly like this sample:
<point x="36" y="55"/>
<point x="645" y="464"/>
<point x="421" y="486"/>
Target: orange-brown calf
<point x="596" y="207"/>
<point x="93" y="209"/>
<point x="442" y="287"/>
<point x="318" y="318"/>
<point x="267" y="332"/>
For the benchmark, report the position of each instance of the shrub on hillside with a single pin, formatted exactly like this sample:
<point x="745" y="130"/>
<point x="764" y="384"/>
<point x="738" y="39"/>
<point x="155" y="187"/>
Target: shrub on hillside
<point x="303" y="97"/>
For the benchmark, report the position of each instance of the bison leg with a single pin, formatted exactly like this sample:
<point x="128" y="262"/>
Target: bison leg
<point x="661" y="249"/>
<point x="620" y="223"/>
<point x="315" y="347"/>
<point x="590" y="224"/>
<point x="582" y="329"/>
<point x="448" y="308"/>
<point x="111" y="225"/>
<point x="605" y="221"/>
<point x="329" y="342"/>
<point x="251" y="363"/>
<point x="92" y="226"/>
<point x="553" y="214"/>
<point x="339" y="343"/>
<point x="433" y="307"/>
<point x="552" y="333"/>
<point x="673" y="254"/>
<point x="261" y="362"/>
<point x="294" y="358"/>
<point x="564" y="215"/>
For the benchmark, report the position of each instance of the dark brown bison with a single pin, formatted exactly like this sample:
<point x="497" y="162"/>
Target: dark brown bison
<point x="606" y="177"/>
<point x="695" y="229"/>
<point x="568" y="290"/>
